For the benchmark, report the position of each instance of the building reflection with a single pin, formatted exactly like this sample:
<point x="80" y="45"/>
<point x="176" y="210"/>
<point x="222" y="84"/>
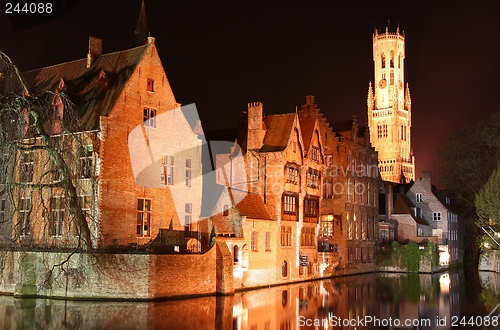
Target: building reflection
<point x="327" y="304"/>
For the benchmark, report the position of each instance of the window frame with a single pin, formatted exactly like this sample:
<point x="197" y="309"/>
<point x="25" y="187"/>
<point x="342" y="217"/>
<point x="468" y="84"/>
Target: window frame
<point x="437" y="216"/>
<point x="144" y="216"/>
<point x="149" y="117"/>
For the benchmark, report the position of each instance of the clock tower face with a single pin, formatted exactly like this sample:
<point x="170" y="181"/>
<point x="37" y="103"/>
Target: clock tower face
<point x="382" y="83"/>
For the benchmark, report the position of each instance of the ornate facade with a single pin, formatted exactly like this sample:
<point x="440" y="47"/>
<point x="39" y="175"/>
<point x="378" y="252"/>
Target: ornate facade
<point x="389" y="109"/>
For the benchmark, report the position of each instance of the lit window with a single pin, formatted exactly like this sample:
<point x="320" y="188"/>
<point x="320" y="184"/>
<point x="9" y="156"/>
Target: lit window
<point x="289" y="203"/>
<point x="57" y="207"/>
<point x="150" y="85"/>
<point x="149" y="118"/>
<point x="143" y="217"/>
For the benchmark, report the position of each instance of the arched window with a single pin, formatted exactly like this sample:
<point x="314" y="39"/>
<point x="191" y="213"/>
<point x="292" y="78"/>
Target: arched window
<point x="284" y="269"/>
<point x="392" y="59"/>
<point x="382" y="57"/>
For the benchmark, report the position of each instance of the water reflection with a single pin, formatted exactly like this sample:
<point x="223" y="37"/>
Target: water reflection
<point x="370" y="301"/>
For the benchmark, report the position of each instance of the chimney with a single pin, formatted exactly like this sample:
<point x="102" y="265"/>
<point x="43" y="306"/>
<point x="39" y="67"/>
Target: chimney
<point x="255" y="132"/>
<point x="390" y="201"/>
<point x="426" y="177"/>
<point x="95" y="50"/>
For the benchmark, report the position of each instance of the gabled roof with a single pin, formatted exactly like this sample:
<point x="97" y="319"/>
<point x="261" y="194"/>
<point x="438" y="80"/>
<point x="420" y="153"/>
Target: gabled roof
<point x="441" y="196"/>
<point x="307" y="125"/>
<point x="404" y="205"/>
<point x="251" y="205"/>
<point x="279" y="128"/>
<point x="83" y="85"/>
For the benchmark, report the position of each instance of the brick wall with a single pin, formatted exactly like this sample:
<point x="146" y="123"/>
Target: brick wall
<point x="116" y="276"/>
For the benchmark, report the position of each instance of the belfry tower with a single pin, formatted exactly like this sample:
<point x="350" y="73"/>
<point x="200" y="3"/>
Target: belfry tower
<point x="389" y="109"/>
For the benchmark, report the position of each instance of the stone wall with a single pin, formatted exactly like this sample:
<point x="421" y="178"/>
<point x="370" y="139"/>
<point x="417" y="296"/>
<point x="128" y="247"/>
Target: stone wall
<point x="116" y="276"/>
<point x="489" y="261"/>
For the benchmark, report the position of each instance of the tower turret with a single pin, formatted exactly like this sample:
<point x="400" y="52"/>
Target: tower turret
<point x="389" y="108"/>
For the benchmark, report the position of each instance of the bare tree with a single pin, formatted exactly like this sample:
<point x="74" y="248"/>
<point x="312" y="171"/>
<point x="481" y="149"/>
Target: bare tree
<point x="44" y="154"/>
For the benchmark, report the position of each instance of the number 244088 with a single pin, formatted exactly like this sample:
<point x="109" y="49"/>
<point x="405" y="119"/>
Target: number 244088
<point x="28" y="8"/>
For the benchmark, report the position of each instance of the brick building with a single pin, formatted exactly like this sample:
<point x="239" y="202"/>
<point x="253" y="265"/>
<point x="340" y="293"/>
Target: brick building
<point x="133" y="158"/>
<point x="312" y="187"/>
<point x="349" y="207"/>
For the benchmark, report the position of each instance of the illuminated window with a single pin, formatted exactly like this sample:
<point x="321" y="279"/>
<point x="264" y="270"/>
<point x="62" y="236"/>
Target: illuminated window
<point x="289" y="204"/>
<point x="150" y="86"/>
<point x="327" y="225"/>
<point x="149" y="117"/>
<point x="86" y="162"/>
<point x="143" y="217"/>
<point x="57" y="207"/>
<point x="188" y="172"/>
<point x="392" y="59"/>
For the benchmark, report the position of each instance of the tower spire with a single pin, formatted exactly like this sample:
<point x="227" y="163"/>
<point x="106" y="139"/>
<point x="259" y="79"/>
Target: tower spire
<point x="141" y="30"/>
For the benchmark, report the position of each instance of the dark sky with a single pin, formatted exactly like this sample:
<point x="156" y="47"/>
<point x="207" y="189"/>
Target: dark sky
<point x="223" y="54"/>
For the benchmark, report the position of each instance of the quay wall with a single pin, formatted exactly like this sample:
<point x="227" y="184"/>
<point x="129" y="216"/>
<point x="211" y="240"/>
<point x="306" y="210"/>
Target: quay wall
<point x="115" y="276"/>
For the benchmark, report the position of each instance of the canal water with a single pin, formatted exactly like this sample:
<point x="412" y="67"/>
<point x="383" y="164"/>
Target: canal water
<point x="451" y="300"/>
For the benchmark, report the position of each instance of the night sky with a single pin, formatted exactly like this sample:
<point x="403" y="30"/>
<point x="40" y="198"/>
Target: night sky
<point x="222" y="55"/>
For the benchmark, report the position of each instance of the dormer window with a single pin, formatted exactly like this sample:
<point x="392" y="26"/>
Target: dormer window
<point x="150" y="86"/>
